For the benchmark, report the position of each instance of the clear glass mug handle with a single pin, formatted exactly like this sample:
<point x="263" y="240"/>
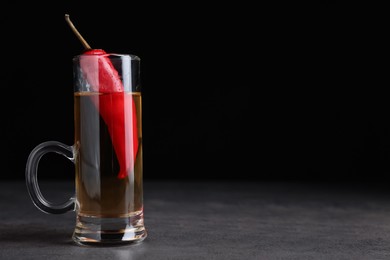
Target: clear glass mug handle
<point x="32" y="180"/>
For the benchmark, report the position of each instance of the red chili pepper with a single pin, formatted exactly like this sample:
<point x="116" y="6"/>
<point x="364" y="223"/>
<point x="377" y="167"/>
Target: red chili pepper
<point x="114" y="106"/>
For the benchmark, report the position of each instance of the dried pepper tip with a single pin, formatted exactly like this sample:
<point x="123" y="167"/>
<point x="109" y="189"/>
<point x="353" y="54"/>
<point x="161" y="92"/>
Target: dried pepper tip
<point x="78" y="35"/>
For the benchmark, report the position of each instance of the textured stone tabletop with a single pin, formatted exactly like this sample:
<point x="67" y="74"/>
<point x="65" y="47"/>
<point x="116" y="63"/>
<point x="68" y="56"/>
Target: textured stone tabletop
<point x="214" y="220"/>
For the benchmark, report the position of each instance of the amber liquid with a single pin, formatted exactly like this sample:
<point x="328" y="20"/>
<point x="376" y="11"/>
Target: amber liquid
<point x="99" y="191"/>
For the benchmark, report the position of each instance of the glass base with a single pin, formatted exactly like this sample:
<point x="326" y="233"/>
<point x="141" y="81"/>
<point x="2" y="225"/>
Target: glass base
<point x="96" y="231"/>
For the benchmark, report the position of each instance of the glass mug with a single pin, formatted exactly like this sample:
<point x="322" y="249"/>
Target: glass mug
<point x="107" y="153"/>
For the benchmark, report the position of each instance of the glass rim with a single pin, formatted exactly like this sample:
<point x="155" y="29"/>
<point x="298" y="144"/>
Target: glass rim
<point x="110" y="55"/>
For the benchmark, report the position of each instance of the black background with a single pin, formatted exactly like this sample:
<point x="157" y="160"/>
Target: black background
<point x="231" y="91"/>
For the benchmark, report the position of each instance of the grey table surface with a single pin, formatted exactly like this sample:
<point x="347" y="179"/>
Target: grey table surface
<point x="214" y="220"/>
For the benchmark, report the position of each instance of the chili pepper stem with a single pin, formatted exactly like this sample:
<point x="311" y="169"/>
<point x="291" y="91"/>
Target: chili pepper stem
<point x="83" y="41"/>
